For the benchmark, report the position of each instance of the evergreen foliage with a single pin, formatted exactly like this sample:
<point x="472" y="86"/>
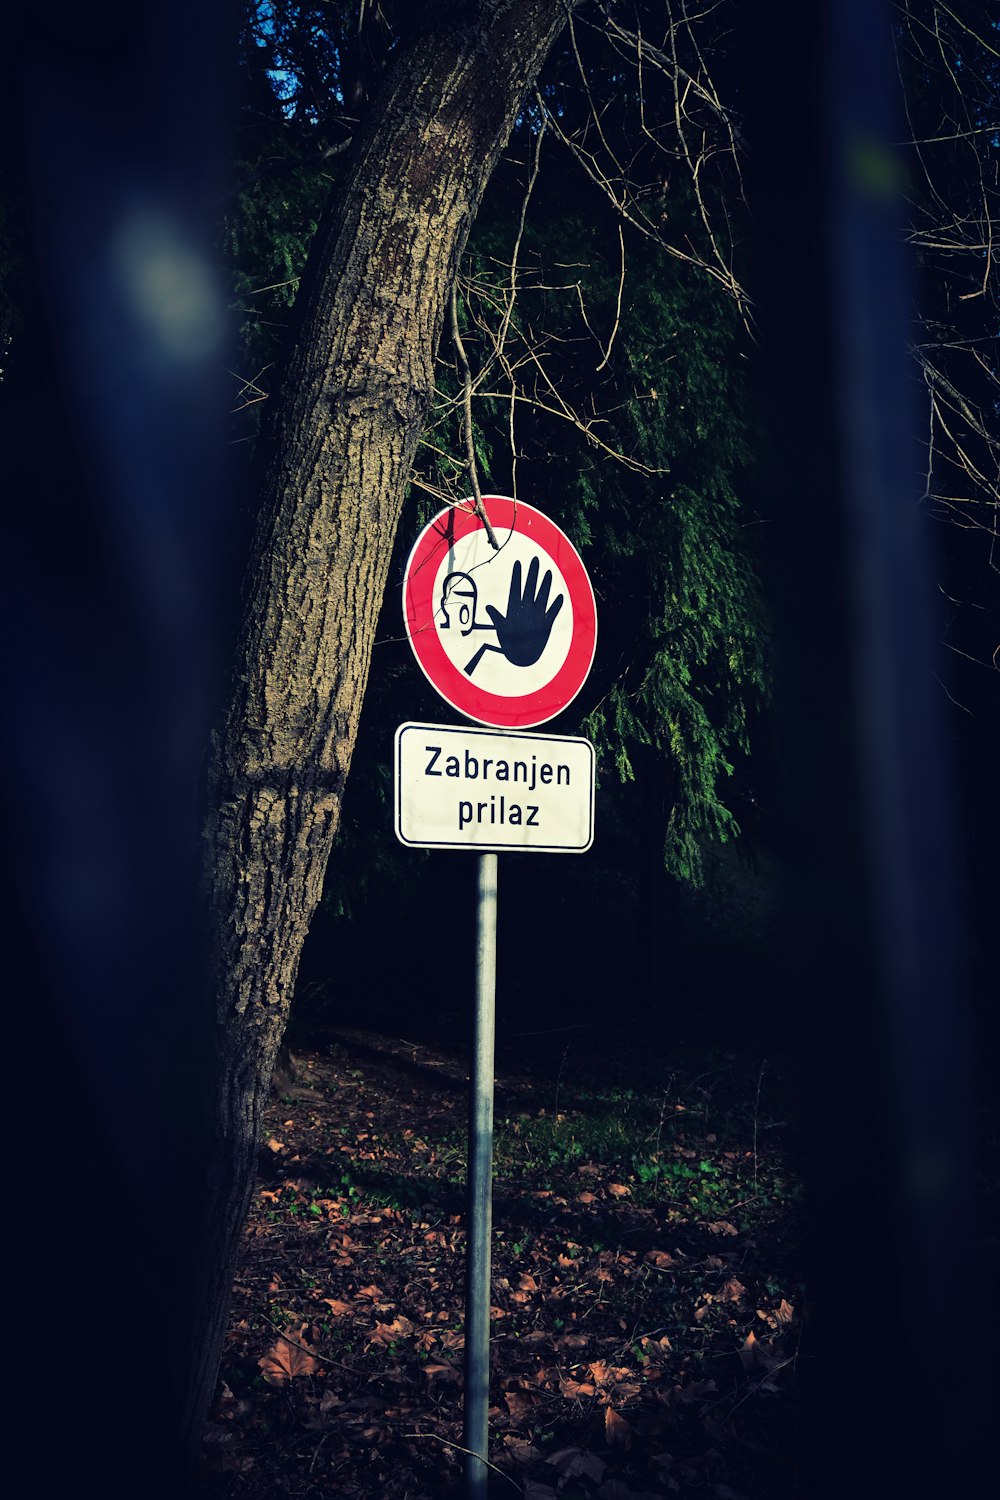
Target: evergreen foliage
<point x="290" y="133"/>
<point x="610" y="390"/>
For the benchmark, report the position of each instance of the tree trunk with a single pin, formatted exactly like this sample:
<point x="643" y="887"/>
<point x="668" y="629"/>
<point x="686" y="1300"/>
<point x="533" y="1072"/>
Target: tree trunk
<point x="353" y="406"/>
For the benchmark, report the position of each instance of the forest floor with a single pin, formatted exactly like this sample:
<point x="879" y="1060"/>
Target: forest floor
<point x="647" y="1283"/>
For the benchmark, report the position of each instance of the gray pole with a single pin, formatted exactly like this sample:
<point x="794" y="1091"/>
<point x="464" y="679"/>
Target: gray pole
<point x="480" y="1210"/>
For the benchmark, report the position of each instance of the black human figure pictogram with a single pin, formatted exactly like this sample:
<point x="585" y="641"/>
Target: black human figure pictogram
<point x="522" y="633"/>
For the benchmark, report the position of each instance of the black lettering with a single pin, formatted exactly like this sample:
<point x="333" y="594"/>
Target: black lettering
<point x="545" y="775"/>
<point x="520" y="765"/>
<point x="502" y="771"/>
<point x="451" y="766"/>
<point x="532" y="816"/>
<point x="514" y="809"/>
<point x="464" y="814"/>
<point x="435" y="754"/>
<point x="562" y="775"/>
<point x="482" y="808"/>
<point x="486" y="766"/>
<point x="471" y="767"/>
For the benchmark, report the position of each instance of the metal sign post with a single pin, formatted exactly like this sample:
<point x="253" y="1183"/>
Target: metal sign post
<point x="480" y="1211"/>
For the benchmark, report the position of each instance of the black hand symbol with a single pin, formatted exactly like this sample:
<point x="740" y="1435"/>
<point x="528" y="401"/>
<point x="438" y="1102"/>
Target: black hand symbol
<point x="524" y="632"/>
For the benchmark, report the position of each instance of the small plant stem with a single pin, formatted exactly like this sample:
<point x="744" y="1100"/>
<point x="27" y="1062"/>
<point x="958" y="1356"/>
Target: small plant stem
<point x="562" y="1064"/>
<point x="756" y="1113"/>
<point x="663" y="1111"/>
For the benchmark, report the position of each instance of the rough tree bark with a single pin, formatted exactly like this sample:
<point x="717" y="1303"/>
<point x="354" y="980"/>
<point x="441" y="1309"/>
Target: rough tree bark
<point x="353" y="403"/>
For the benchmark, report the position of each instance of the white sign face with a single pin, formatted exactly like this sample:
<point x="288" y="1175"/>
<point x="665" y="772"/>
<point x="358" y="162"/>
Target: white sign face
<point x="485" y="789"/>
<point x="505" y="636"/>
<point x="474" y="586"/>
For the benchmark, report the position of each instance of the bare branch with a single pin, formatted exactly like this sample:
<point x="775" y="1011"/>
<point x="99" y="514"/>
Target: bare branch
<point x="618" y="305"/>
<point x="470" y="442"/>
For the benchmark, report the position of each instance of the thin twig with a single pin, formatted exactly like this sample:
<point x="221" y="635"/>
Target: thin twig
<point x="470" y="446"/>
<point x="467" y="1451"/>
<point x="618" y="308"/>
<point x="318" y="1447"/>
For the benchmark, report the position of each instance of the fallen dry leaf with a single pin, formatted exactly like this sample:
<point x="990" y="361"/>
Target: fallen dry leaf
<point x="215" y="1438"/>
<point x="618" y="1190"/>
<point x="750" y="1354"/>
<point x="785" y="1312"/>
<point x="697" y="1389"/>
<point x="388" y="1333"/>
<point x="571" y="1340"/>
<point x="522" y="1451"/>
<point x="519" y="1404"/>
<point x="574" y="1389"/>
<point x="337" y="1308"/>
<point x="575" y="1463"/>
<point x="616" y="1429"/>
<point x="284" y="1361"/>
<point x="661" y="1259"/>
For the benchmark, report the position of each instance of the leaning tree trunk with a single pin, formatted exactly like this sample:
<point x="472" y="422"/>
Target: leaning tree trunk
<point x="353" y="404"/>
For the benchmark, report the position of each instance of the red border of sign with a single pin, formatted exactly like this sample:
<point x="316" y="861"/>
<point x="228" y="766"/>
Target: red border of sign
<point x="506" y="515"/>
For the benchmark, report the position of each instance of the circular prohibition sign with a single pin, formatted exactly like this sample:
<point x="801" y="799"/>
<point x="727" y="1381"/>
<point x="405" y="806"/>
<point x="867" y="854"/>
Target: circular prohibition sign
<point x="506" y="636"/>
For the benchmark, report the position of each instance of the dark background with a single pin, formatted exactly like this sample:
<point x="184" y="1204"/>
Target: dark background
<point x="880" y="987"/>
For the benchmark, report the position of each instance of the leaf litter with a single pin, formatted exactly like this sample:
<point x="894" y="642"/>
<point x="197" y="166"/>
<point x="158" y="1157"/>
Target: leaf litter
<point x="645" y="1295"/>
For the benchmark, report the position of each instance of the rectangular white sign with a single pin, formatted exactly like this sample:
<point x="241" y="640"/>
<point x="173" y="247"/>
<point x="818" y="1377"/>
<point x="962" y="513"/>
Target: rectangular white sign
<point x="459" y="788"/>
